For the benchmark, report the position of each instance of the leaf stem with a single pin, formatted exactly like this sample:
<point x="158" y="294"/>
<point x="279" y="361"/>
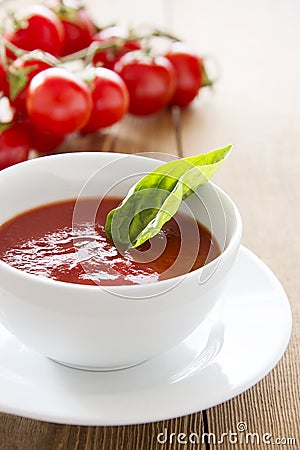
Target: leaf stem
<point x="207" y="80"/>
<point x="159" y="33"/>
<point x="13" y="48"/>
<point x="115" y="42"/>
<point x="96" y="47"/>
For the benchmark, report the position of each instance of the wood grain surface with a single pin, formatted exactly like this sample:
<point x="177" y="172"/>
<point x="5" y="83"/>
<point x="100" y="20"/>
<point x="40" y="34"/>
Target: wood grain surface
<point x="256" y="106"/>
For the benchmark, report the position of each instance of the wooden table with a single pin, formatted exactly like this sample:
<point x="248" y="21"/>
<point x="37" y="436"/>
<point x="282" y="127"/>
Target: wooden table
<point x="255" y="106"/>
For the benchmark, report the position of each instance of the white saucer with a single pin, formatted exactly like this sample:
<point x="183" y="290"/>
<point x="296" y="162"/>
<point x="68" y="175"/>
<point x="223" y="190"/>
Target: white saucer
<point x="241" y="341"/>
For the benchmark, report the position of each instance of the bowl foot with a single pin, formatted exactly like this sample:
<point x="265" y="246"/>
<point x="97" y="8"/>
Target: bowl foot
<point x="95" y="368"/>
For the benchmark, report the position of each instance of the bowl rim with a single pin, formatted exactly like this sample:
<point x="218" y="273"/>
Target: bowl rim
<point x="234" y="241"/>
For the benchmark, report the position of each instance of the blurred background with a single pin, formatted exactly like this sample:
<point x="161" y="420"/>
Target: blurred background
<point x="256" y="46"/>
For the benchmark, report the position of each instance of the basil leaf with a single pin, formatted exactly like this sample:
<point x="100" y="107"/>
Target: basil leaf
<point x="157" y="196"/>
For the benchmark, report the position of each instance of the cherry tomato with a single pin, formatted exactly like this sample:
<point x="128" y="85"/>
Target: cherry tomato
<point x="37" y="27"/>
<point x="21" y="71"/>
<point x="58" y="101"/>
<point x="150" y="81"/>
<point x="78" y="26"/>
<point x="3" y="79"/>
<point x="14" y="145"/>
<point x="109" y="57"/>
<point x="110" y="99"/>
<point x="42" y="141"/>
<point x="188" y="68"/>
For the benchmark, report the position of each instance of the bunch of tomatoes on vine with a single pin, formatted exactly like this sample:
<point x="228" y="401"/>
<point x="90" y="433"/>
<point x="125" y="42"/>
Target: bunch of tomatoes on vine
<point x="62" y="74"/>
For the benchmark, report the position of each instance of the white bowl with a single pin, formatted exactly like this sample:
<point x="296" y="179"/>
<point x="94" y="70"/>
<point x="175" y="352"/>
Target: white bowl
<point x="93" y="327"/>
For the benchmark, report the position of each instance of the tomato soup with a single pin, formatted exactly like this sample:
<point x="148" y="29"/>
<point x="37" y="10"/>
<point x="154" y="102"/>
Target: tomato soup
<point x="46" y="242"/>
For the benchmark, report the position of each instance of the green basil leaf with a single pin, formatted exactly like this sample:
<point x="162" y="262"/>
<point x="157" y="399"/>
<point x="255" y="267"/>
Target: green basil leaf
<point x="153" y="200"/>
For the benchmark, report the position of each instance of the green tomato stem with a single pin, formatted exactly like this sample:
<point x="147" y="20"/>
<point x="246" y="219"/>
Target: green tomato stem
<point x="13" y="48"/>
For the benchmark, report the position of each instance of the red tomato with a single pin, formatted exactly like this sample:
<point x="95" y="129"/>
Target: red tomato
<point x="2" y="76"/>
<point x="78" y="26"/>
<point x="3" y="79"/>
<point x="58" y="101"/>
<point x="37" y="27"/>
<point x="109" y="57"/>
<point x="21" y="71"/>
<point x="110" y="99"/>
<point x="188" y="68"/>
<point x="14" y="145"/>
<point x="150" y="81"/>
<point x="42" y="141"/>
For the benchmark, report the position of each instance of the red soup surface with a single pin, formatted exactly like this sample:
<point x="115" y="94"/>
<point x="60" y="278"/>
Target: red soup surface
<point x="47" y="242"/>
